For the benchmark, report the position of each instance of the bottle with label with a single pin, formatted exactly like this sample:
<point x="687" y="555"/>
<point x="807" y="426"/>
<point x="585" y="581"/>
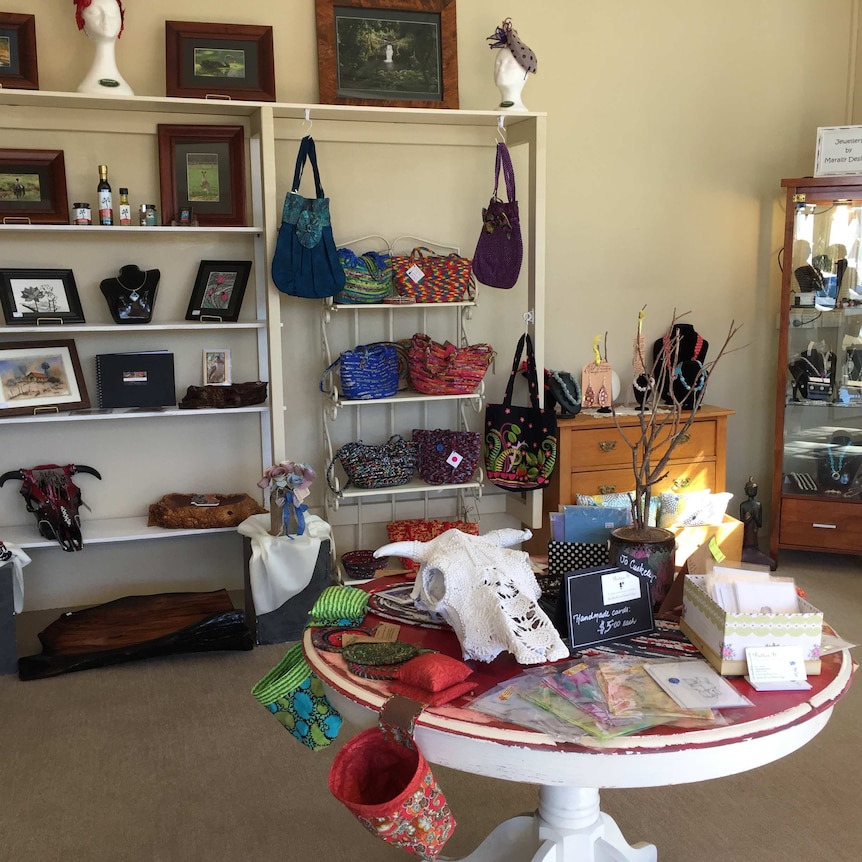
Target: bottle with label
<point x="106" y="204"/>
<point x="125" y="208"/>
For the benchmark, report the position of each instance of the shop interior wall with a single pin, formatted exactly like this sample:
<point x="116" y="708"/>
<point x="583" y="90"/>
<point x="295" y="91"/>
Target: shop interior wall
<point x="670" y="127"/>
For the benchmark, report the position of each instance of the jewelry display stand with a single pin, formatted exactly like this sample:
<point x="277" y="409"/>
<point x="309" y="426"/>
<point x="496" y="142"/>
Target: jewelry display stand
<point x="817" y="484"/>
<point x="131" y="295"/>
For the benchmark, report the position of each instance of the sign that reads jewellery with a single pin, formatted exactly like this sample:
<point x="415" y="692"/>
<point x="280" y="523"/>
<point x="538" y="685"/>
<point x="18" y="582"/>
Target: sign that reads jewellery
<point x="601" y="604"/>
<point x="839" y="151"/>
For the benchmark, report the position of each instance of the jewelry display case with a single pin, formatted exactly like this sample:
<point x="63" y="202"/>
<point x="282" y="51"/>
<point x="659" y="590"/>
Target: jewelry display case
<point x="817" y="475"/>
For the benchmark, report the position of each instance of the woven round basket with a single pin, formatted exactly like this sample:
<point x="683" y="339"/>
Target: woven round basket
<point x="361" y="564"/>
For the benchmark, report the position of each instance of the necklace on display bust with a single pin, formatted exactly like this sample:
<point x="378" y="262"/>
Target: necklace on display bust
<point x="134" y="292"/>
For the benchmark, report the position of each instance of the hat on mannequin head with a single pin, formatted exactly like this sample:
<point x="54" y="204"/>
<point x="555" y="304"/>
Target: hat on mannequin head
<point x="81" y="5"/>
<point x="506" y="37"/>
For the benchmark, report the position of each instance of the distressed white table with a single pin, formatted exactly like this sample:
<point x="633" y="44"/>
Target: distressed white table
<point x="568" y="825"/>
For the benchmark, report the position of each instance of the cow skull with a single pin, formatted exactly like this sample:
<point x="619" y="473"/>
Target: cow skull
<point x="54" y="500"/>
<point x="486" y="591"/>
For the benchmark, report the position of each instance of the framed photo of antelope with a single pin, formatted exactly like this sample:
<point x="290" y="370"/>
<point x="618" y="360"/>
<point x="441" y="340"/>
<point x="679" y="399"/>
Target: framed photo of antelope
<point x="40" y="377"/>
<point x="202" y="168"/>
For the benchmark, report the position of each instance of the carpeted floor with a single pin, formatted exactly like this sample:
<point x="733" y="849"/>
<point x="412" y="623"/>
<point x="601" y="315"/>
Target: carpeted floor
<point x="171" y="760"/>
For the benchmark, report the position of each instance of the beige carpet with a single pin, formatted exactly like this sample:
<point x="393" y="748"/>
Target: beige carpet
<point x="172" y="759"/>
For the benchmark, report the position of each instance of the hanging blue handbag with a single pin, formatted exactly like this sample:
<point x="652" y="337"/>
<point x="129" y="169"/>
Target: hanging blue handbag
<point x="306" y="260"/>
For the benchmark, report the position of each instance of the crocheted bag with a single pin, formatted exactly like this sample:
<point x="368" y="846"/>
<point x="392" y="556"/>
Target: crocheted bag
<point x="500" y="250"/>
<point x="295" y="696"/>
<point x="381" y="777"/>
<point x="368" y="371"/>
<point x="425" y="276"/>
<point x="447" y="457"/>
<point x="368" y="277"/>
<point x="375" y="466"/>
<point x="444" y="369"/>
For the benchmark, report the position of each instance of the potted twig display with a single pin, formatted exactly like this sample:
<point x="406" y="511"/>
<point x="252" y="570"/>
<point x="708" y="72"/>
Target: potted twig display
<point x="670" y="393"/>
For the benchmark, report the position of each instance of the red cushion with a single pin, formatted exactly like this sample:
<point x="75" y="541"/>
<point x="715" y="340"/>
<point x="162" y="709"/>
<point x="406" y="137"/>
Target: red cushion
<point x="433" y="671"/>
<point x="436" y="698"/>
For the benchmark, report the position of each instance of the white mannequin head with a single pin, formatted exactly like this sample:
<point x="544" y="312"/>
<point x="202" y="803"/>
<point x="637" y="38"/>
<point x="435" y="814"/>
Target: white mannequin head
<point x="514" y="62"/>
<point x="510" y="78"/>
<point x="103" y="22"/>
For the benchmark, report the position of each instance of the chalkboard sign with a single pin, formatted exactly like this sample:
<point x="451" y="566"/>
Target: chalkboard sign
<point x="605" y="603"/>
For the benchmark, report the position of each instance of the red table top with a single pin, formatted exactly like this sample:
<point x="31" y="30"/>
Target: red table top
<point x="827" y="688"/>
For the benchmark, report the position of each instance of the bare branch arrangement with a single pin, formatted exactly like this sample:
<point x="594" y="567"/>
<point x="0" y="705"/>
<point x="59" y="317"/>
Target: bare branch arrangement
<point x="664" y="417"/>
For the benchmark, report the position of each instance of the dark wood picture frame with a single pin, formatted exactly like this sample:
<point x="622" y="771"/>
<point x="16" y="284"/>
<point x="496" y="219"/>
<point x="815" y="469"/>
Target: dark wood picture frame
<point x="19" y="69"/>
<point x="40" y="376"/>
<point x="218" y="291"/>
<point x="348" y="69"/>
<point x="39" y="297"/>
<point x="232" y="60"/>
<point x="203" y="167"/>
<point x="41" y="197"/>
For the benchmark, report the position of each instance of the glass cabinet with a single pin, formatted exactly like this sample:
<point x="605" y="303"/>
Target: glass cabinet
<point x="817" y="477"/>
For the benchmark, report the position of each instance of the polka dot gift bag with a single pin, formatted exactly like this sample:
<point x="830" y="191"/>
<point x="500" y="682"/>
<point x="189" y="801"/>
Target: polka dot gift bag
<point x="295" y="696"/>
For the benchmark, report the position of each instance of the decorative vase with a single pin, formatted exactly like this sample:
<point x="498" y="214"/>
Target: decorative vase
<point x="648" y="552"/>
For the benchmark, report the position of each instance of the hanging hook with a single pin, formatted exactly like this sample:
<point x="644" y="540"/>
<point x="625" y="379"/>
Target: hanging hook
<point x="500" y="133"/>
<point x="306" y="130"/>
<point x="529" y="317"/>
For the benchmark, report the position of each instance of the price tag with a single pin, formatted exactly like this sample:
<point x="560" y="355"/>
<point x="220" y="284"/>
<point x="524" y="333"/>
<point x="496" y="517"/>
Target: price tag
<point x="415" y="274"/>
<point x="454" y="459"/>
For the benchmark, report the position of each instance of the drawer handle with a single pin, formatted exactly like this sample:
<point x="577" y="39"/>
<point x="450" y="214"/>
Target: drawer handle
<point x="826" y="526"/>
<point x="608" y="445"/>
<point x="607" y="489"/>
<point x="684" y="438"/>
<point x="683" y="482"/>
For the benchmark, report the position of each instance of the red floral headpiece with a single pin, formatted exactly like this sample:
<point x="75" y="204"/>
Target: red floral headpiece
<point x="83" y="4"/>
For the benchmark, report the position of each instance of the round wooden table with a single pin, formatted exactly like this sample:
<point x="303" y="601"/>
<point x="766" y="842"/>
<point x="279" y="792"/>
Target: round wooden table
<point x="569" y="825"/>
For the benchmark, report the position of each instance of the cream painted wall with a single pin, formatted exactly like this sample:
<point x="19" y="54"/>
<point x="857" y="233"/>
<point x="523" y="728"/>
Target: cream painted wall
<point x="671" y="124"/>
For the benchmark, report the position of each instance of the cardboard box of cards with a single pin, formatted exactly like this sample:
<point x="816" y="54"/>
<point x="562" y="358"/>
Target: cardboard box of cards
<point x="722" y="637"/>
<point x="728" y="534"/>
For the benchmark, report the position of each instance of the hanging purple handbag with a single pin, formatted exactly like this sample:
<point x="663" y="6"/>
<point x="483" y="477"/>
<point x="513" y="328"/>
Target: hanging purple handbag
<point x="497" y="261"/>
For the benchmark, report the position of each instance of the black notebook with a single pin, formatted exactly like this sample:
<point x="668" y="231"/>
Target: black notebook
<point x="136" y="379"/>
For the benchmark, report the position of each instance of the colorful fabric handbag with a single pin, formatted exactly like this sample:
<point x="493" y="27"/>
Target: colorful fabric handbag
<point x="444" y="369"/>
<point x="306" y="261"/>
<point x="425" y="276"/>
<point x="422" y="530"/>
<point x="521" y="442"/>
<point x="368" y="277"/>
<point x="446" y="457"/>
<point x="368" y="371"/>
<point x="381" y="777"/>
<point x="500" y="249"/>
<point x="295" y="696"/>
<point x="371" y="466"/>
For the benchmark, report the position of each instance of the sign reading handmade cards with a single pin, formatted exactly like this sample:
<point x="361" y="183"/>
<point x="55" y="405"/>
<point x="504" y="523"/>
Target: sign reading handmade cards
<point x="603" y="604"/>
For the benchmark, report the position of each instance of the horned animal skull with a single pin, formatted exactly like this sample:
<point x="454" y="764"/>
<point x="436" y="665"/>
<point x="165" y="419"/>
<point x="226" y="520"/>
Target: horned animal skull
<point x="54" y="499"/>
<point x="486" y="591"/>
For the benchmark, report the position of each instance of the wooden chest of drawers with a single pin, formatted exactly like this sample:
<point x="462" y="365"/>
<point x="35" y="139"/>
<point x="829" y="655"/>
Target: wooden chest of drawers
<point x="592" y="458"/>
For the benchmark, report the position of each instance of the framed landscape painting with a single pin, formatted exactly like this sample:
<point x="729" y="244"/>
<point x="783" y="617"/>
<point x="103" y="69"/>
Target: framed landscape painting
<point x="392" y="53"/>
<point x="40" y="377"/>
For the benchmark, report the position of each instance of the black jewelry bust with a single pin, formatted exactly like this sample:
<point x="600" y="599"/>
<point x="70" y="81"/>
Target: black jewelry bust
<point x="683" y="352"/>
<point x="131" y="295"/>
